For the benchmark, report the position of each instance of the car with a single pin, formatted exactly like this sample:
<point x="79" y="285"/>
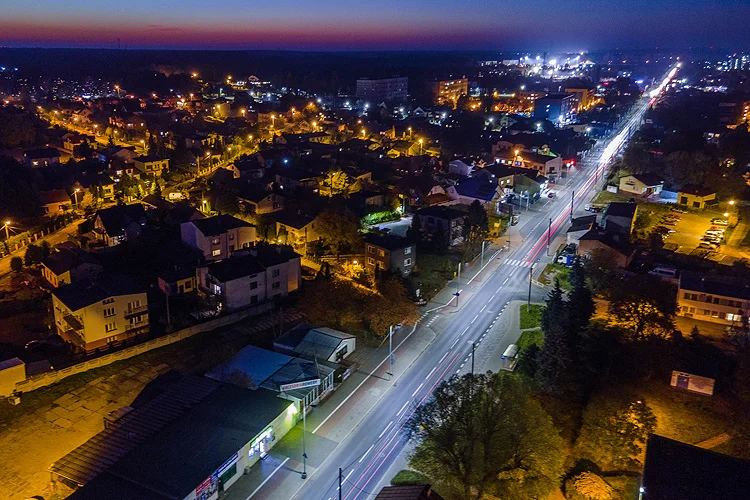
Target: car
<point x="673" y="216"/>
<point x="716" y="228"/>
<point x="706" y="244"/>
<point x="669" y="223"/>
<point x="715" y="233"/>
<point x="677" y="210"/>
<point x="710" y="239"/>
<point x="720" y="222"/>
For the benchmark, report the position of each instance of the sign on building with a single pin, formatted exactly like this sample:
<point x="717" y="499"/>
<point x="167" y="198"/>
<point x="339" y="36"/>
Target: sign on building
<point x="299" y="385"/>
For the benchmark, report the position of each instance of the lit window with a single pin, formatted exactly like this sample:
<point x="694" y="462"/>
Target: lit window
<point x="216" y="252"/>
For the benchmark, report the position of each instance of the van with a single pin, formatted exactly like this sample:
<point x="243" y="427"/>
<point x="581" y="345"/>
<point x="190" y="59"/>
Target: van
<point x="664" y="272"/>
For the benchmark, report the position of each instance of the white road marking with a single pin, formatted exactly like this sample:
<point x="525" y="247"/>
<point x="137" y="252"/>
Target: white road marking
<point x="386" y="429"/>
<point x="464" y="331"/>
<point x="261" y="485"/>
<point x="368" y="451"/>
<point x="504" y="282"/>
<point x="443" y="358"/>
<point x="475" y="318"/>
<point x="430" y="374"/>
<point x="483" y="308"/>
<point x="454" y="343"/>
<point x="416" y="391"/>
<point x="402" y="409"/>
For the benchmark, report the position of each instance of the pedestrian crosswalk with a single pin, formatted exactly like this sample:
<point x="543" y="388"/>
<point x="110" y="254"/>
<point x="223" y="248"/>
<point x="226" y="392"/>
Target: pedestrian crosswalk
<point x="517" y="263"/>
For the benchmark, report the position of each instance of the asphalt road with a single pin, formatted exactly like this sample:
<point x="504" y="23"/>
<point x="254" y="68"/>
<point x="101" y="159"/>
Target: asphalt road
<point x="368" y="452"/>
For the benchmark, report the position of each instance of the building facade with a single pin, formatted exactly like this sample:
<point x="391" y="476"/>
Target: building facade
<point x="719" y="300"/>
<point x="383" y="89"/>
<point x="389" y="253"/>
<point x="448" y="92"/>
<point x="217" y="237"/>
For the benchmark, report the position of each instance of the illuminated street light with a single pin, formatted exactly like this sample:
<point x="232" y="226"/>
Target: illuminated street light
<point x="421" y="141"/>
<point x="75" y="193"/>
<point x="7" y="226"/>
<point x="726" y="214"/>
<point x="731" y="202"/>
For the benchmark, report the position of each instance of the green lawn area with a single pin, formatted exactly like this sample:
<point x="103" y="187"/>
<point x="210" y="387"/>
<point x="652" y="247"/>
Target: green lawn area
<point x="529" y="337"/>
<point x="607" y="197"/>
<point x="531" y="318"/>
<point x="407" y="477"/>
<point x="553" y="271"/>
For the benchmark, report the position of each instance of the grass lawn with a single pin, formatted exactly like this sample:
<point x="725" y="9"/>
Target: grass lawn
<point x="607" y="197"/>
<point x="553" y="271"/>
<point x="535" y="336"/>
<point x="531" y="318"/>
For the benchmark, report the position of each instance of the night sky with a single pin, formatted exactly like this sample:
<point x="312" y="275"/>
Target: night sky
<point x="376" y="24"/>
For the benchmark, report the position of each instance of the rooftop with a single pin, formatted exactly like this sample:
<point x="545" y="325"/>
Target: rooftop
<point x="65" y="259"/>
<point x="387" y="241"/>
<point x="148" y="158"/>
<point x="675" y="470"/>
<point x="441" y="212"/>
<point x="219" y="224"/>
<point x="649" y="179"/>
<point x="715" y="285"/>
<point x="78" y="295"/>
<point x="293" y="219"/>
<point x="696" y="190"/>
<point x="621" y="209"/>
<point x="54" y="196"/>
<point x="35" y="154"/>
<point x="477" y="187"/>
<point x="320" y="342"/>
<point x="235" y="267"/>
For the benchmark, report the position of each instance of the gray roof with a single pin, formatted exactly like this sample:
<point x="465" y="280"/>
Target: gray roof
<point x="649" y="179"/>
<point x="65" y="259"/>
<point x="320" y="342"/>
<point x="84" y="293"/>
<point x="10" y="363"/>
<point x="387" y="241"/>
<point x="219" y="224"/>
<point x="621" y="209"/>
<point x="715" y="285"/>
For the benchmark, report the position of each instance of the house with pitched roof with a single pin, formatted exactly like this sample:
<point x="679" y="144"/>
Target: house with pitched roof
<point x="118" y="224"/>
<point x="217" y="237"/>
<point x="70" y="265"/>
<point x="54" y="202"/>
<point x="319" y="343"/>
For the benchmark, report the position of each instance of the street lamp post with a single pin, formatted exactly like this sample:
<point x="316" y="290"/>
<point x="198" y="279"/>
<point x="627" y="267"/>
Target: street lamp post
<point x="75" y="194"/>
<point x="391" y="358"/>
<point x="7" y="227"/>
<point x="304" y="440"/>
<point x="421" y="141"/>
<point x="528" y="304"/>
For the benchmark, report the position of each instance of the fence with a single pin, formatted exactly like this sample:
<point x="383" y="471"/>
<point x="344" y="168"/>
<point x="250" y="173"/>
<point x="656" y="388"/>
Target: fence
<point x="25" y="239"/>
<point x="48" y="378"/>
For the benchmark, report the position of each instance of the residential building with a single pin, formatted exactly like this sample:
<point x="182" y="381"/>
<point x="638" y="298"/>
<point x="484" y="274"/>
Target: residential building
<point x="92" y="315"/>
<point x="55" y="202"/>
<point x="303" y="381"/>
<point x="383" y="89"/>
<point x="674" y="470"/>
<point x="177" y="281"/>
<point x="580" y="226"/>
<point x="583" y="98"/>
<point x="118" y="224"/>
<point x="255" y="200"/>
<point x="459" y="167"/>
<point x="480" y="189"/>
<point x="299" y="228"/>
<point x="100" y="184"/>
<point x="446" y="219"/>
<point x="217" y="237"/>
<point x="44" y="157"/>
<point x="388" y="252"/>
<point x="595" y="241"/>
<point x="618" y="220"/>
<point x="448" y="92"/>
<point x="696" y="196"/>
<point x="290" y="179"/>
<point x="557" y="108"/>
<point x="143" y="452"/>
<point x="544" y="161"/>
<point x="248" y="167"/>
<point x="317" y="343"/>
<point x="72" y="141"/>
<point x="151" y="164"/>
<point x="643" y="185"/>
<point x="70" y="265"/>
<point x="250" y="277"/>
<point x="411" y="492"/>
<point x="716" y="299"/>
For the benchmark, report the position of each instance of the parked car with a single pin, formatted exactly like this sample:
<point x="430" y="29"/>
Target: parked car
<point x="677" y="210"/>
<point x="720" y="222"/>
<point x="669" y="223"/>
<point x="706" y="244"/>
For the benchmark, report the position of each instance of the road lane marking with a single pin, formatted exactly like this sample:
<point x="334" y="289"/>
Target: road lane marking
<point x="368" y="451"/>
<point x="261" y="485"/>
<point x="443" y="358"/>
<point x="386" y="429"/>
<point x="417" y="390"/>
<point x="431" y="372"/>
<point x="475" y="318"/>
<point x="483" y="308"/>
<point x="454" y="343"/>
<point x="504" y="282"/>
<point x="464" y="331"/>
<point x="402" y="409"/>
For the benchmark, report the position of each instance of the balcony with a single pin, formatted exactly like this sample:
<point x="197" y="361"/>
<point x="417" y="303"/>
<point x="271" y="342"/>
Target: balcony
<point x="134" y="311"/>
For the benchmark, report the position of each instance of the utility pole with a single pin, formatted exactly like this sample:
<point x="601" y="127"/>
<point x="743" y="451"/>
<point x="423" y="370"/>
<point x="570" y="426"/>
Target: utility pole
<point x="528" y="304"/>
<point x="473" y="345"/>
<point x="391" y="358"/>
<point x="340" y="472"/>
<point x="572" y="199"/>
<point x="481" y="266"/>
<point x="304" y="443"/>
<point x="169" y="318"/>
<point x="458" y="283"/>
<point x="549" y="235"/>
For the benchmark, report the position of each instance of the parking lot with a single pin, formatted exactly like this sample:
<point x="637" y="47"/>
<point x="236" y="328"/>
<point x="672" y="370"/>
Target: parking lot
<point x="689" y="229"/>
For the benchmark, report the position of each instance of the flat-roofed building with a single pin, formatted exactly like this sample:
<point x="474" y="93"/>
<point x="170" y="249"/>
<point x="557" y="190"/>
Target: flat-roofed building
<point x="379" y="90"/>
<point x="720" y="300"/>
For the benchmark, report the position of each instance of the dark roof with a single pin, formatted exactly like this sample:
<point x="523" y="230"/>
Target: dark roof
<point x="536" y="157"/>
<point x="157" y="202"/>
<point x="95" y="180"/>
<point x="116" y="218"/>
<point x="252" y="193"/>
<point x="295" y="174"/>
<point x="715" y="285"/>
<point x="499" y="170"/>
<point x="477" y="187"/>
<point x="221" y="422"/>
<point x="581" y="223"/>
<point x="387" y="241"/>
<point x="219" y="224"/>
<point x="675" y="470"/>
<point x="84" y="293"/>
<point x="148" y="158"/>
<point x="273" y="255"/>
<point x="176" y="274"/>
<point x="248" y="163"/>
<point x="65" y="259"/>
<point x="320" y="342"/>
<point x="421" y="492"/>
<point x="235" y="267"/>
<point x="649" y="179"/>
<point x="697" y="190"/>
<point x="441" y="212"/>
<point x="621" y="209"/>
<point x="36" y="154"/>
<point x="54" y="196"/>
<point x="293" y="219"/>
<point x="183" y="212"/>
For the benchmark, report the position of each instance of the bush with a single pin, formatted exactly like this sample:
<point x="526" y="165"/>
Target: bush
<point x="408" y="477"/>
<point x="531" y="318"/>
<point x="531" y="337"/>
<point x="380" y="217"/>
<point x="588" y="486"/>
<point x="16" y="264"/>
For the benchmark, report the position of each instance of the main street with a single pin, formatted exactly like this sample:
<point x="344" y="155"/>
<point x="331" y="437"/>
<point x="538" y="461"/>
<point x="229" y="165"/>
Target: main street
<point x="365" y="453"/>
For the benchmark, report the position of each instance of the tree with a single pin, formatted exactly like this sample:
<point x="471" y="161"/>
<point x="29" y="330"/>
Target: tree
<point x="414" y="233"/>
<point x="580" y="301"/>
<point x="485" y="436"/>
<point x="439" y="240"/>
<point x="601" y="270"/>
<point x="16" y="264"/>
<point x="615" y="428"/>
<point x="390" y="306"/>
<point x="476" y="228"/>
<point x="555" y="361"/>
<point x="588" y="486"/>
<point x="339" y="229"/>
<point x="33" y="255"/>
<point x="336" y="182"/>
<point x="644" y="305"/>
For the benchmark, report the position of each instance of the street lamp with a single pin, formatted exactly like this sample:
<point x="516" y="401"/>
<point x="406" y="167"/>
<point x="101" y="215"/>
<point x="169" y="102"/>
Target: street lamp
<point x="75" y="194"/>
<point x="7" y="226"/>
<point x="726" y="214"/>
<point x="731" y="202"/>
<point x="421" y="141"/>
<point x="273" y="120"/>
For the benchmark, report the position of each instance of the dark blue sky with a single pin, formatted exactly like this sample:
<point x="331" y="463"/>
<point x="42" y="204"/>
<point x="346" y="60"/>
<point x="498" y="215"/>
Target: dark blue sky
<point x="377" y="24"/>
